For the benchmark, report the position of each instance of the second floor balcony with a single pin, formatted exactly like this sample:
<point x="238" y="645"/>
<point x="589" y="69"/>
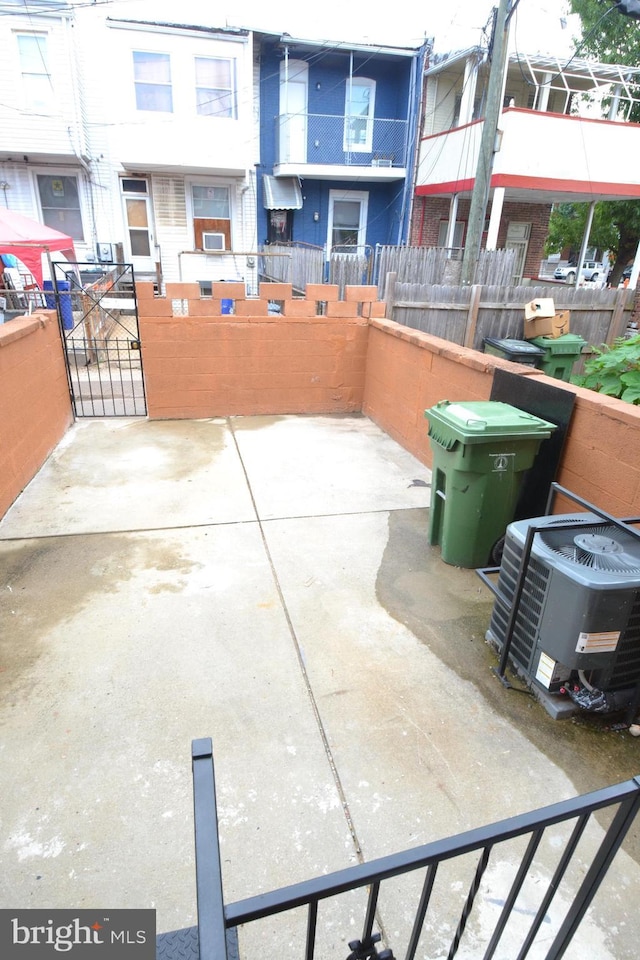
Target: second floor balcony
<point x="540" y="157"/>
<point x="347" y="147"/>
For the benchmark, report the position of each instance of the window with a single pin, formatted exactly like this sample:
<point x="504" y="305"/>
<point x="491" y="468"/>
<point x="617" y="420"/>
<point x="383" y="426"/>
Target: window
<point x="279" y="226"/>
<point x="211" y="215"/>
<point x="36" y="80"/>
<point x="358" y="111"/>
<point x="458" y="233"/>
<point x="152" y="76"/>
<point x="60" y="204"/>
<point x="347" y="220"/>
<point x="215" y="87"/>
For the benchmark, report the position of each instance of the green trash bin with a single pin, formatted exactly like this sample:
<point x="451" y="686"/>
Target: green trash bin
<point x="560" y="354"/>
<point x="481" y="450"/>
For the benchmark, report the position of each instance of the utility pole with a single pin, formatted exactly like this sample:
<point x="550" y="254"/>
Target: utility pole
<point x="482" y="184"/>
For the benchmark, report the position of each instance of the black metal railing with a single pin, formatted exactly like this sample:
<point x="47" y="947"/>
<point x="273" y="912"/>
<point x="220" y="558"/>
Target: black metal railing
<point x="215" y="918"/>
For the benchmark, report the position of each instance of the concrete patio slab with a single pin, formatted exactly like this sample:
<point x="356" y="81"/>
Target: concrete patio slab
<point x="266" y="582"/>
<point x="308" y="466"/>
<point x="134" y="474"/>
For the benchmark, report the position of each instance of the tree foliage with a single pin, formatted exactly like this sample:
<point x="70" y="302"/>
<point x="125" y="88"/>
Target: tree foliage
<point x="610" y="37"/>
<point x="615" y="228"/>
<point x="606" y="33"/>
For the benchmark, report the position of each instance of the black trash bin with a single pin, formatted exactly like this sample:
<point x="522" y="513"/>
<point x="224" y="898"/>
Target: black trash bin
<point x="518" y="351"/>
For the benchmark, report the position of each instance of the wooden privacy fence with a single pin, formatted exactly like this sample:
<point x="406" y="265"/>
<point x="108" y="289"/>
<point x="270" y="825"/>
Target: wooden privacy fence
<point x="431" y="265"/>
<point x="301" y="263"/>
<point x="467" y="315"/>
<point x="294" y="263"/>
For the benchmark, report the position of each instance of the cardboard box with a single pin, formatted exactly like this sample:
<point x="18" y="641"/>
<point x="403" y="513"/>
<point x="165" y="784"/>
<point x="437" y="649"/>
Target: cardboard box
<point x="539" y="308"/>
<point x="555" y="326"/>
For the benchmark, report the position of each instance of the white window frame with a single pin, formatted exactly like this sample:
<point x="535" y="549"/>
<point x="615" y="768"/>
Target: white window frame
<point x="49" y="221"/>
<point x="349" y="144"/>
<point x="362" y="196"/>
<point x="44" y="101"/>
<point x="207" y="186"/>
<point x="229" y="186"/>
<point x="458" y="234"/>
<point x="162" y="84"/>
<point x="231" y="92"/>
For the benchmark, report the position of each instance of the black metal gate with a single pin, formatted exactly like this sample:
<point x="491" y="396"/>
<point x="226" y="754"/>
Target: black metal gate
<point x="98" y="314"/>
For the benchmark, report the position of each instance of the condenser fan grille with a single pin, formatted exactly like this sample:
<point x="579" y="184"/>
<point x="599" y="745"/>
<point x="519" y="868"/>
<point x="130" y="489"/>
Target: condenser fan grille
<point x="605" y="548"/>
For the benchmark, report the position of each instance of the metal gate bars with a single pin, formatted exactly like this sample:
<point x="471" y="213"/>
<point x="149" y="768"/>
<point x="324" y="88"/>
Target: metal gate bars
<point x="97" y="310"/>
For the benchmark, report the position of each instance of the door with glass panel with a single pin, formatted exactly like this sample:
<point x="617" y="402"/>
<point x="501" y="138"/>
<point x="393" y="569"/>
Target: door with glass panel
<point x="347" y="221"/>
<point x="139" y="238"/>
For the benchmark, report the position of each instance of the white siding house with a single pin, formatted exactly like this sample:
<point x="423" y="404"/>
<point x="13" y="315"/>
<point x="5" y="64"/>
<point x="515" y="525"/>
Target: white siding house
<point x="137" y="138"/>
<point x="45" y="168"/>
<point x="178" y="146"/>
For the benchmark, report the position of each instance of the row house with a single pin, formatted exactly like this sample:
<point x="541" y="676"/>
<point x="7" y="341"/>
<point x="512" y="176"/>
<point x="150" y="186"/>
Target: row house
<point x="45" y="152"/>
<point x="564" y="135"/>
<point x="337" y="142"/>
<point x="183" y="149"/>
<point x="138" y="139"/>
<point x="178" y="147"/>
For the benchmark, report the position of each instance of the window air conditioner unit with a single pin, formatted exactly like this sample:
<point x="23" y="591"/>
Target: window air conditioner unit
<point x="213" y="241"/>
<point x="576" y="637"/>
<point x="382" y="162"/>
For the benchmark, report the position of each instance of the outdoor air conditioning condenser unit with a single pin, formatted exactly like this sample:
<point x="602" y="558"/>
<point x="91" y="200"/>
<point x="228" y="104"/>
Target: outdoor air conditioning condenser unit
<point x="577" y="629"/>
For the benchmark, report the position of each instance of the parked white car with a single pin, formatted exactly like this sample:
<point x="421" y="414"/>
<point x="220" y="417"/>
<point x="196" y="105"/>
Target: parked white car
<point x="591" y="270"/>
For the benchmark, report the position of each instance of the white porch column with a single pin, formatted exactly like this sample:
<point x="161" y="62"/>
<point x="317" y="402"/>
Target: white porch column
<point x="451" y="227"/>
<point x="635" y="270"/>
<point x="494" y="219"/>
<point x="585" y="243"/>
<point x="543" y="99"/>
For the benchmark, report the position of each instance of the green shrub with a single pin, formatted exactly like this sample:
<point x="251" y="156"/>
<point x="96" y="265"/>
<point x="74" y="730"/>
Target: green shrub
<point x="614" y="370"/>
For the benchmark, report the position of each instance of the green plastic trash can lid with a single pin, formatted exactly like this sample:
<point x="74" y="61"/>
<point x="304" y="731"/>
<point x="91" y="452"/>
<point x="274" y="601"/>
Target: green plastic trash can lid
<point x="569" y="343"/>
<point x="488" y="418"/>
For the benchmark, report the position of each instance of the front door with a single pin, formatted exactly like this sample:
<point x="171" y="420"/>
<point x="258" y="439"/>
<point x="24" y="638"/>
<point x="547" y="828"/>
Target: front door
<point x="518" y="241"/>
<point x="139" y="240"/>
<point x="347" y="221"/>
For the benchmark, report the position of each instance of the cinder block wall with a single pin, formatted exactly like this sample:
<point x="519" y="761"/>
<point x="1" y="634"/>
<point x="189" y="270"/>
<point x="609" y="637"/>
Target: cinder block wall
<point x="34" y="398"/>
<point x="340" y="358"/>
<point x="409" y="371"/>
<point x="201" y="362"/>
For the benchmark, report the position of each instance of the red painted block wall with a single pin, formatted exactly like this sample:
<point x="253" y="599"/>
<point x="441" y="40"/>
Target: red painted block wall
<point x="409" y="371"/>
<point x="203" y="363"/>
<point x="34" y="398"/>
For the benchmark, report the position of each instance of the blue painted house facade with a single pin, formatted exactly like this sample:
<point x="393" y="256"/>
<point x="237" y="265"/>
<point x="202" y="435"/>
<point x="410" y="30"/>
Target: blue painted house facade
<point x="338" y="127"/>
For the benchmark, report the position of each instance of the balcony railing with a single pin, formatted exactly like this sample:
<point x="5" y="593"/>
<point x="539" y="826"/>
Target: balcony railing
<point x="312" y="138"/>
<point x="468" y="854"/>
